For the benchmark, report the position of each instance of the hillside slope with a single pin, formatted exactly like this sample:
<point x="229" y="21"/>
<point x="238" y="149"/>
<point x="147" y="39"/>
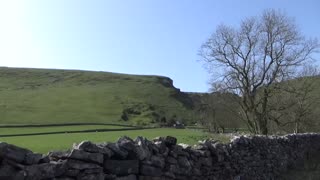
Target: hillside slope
<point x="220" y="107"/>
<point x="305" y="103"/>
<point x="223" y="108"/>
<point x="46" y="96"/>
<point x="43" y="96"/>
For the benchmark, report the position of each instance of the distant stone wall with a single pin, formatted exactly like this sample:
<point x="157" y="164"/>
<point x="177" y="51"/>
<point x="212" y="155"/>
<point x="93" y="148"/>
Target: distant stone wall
<point x="254" y="157"/>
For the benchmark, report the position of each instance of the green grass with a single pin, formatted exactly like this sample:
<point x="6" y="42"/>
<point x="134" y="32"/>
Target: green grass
<point x="42" y="96"/>
<point x="45" y="143"/>
<point x="27" y="130"/>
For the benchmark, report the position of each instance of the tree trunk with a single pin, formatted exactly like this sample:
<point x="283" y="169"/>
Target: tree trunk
<point x="264" y="129"/>
<point x="262" y="126"/>
<point x="297" y="127"/>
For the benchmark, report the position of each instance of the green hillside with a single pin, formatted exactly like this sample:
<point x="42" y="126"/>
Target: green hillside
<point x="46" y="96"/>
<point x="43" y="96"/>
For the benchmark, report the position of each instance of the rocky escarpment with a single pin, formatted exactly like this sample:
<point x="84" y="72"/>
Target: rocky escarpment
<point x="255" y="157"/>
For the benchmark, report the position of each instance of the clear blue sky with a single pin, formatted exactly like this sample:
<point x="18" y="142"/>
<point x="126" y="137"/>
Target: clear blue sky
<point x="129" y="36"/>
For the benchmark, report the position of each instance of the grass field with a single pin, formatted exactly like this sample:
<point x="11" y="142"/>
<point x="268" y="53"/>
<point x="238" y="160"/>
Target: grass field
<point x="48" y="129"/>
<point x="45" y="143"/>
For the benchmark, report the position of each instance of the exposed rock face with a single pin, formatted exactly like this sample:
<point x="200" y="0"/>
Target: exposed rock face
<point x="254" y="157"/>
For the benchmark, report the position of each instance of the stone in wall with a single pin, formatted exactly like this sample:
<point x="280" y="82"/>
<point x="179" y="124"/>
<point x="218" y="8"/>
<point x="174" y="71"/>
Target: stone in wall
<point x="245" y="157"/>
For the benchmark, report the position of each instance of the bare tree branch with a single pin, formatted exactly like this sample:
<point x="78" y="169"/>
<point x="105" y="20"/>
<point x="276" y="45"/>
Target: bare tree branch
<point x="263" y="51"/>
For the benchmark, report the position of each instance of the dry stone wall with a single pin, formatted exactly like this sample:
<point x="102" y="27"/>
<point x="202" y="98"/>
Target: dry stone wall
<point x="254" y="157"/>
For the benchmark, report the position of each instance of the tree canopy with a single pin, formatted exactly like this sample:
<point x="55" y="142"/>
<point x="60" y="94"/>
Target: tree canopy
<point x="250" y="59"/>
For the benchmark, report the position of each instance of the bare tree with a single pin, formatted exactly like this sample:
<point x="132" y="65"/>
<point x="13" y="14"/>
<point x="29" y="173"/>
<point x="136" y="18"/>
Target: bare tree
<point x="218" y="111"/>
<point x="252" y="58"/>
<point x="207" y="116"/>
<point x="292" y="108"/>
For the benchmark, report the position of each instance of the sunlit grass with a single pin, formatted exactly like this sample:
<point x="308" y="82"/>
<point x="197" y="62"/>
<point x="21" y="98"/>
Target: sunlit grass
<point x="45" y="143"/>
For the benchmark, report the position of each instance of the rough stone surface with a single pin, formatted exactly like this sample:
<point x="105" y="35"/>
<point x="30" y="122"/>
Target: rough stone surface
<point x="43" y="171"/>
<point x="245" y="157"/>
<point x="86" y="156"/>
<point x="32" y="158"/>
<point x="81" y="165"/>
<point x="94" y="148"/>
<point x="14" y="153"/>
<point x="150" y="171"/>
<point x="170" y="141"/>
<point x="130" y="177"/>
<point x="122" y="167"/>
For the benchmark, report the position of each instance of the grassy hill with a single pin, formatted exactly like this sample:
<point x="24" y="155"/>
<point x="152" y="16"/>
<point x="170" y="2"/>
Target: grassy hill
<point x="45" y="96"/>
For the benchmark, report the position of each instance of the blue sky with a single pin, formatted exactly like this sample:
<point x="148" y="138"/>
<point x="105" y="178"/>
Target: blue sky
<point x="129" y="36"/>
